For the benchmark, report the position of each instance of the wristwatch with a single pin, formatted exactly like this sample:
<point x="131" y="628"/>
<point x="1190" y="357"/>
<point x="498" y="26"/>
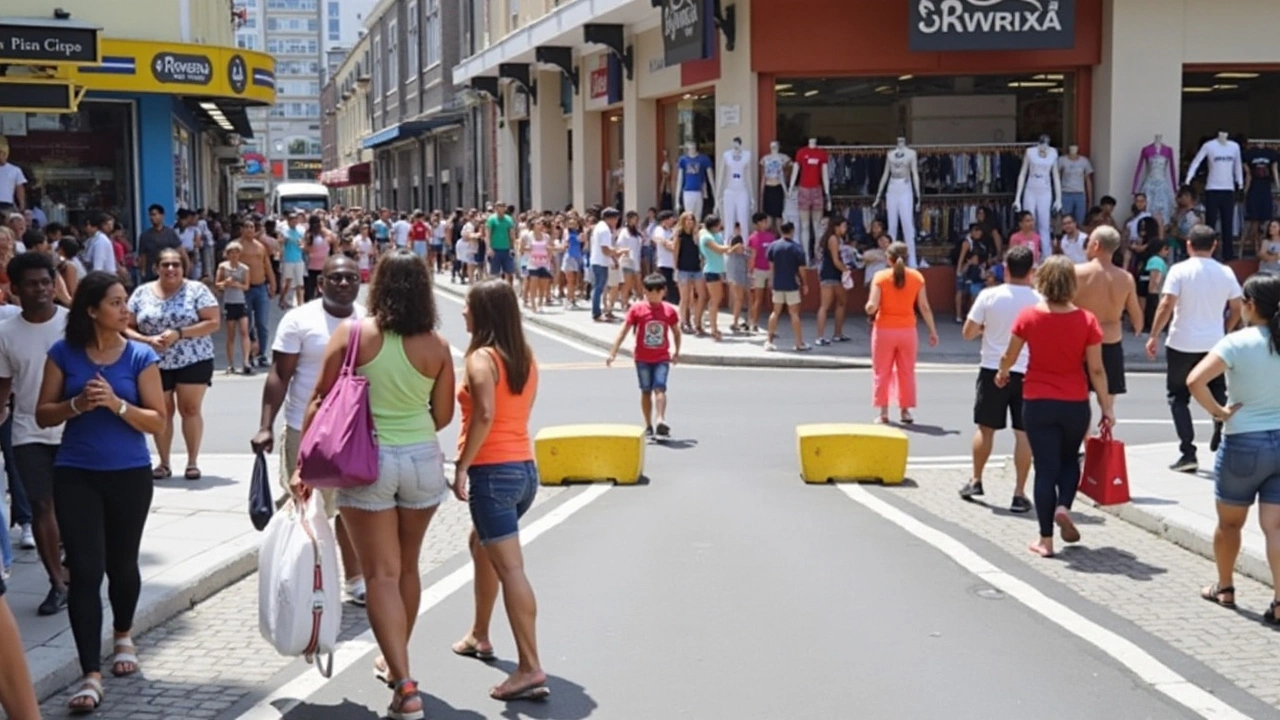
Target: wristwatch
<point x="124" y="406"/>
<point x="179" y="333"/>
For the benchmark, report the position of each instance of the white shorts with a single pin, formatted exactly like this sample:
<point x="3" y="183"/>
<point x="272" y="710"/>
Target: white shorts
<point x="294" y="272"/>
<point x="760" y="279"/>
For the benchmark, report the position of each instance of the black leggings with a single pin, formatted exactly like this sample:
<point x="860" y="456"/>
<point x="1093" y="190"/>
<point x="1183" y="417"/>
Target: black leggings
<point x="1055" y="429"/>
<point x="311" y="285"/>
<point x="101" y="515"/>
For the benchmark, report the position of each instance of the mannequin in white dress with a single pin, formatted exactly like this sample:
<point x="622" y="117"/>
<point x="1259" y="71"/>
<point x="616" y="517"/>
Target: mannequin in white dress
<point x="900" y="189"/>
<point x="1040" y="190"/>
<point x="735" y="202"/>
<point x="773" y="183"/>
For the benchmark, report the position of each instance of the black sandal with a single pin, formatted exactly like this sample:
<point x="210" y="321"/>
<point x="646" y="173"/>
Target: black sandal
<point x="1214" y="594"/>
<point x="1271" y="617"/>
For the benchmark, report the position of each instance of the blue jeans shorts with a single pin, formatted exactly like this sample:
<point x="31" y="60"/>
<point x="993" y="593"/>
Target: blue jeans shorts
<point x="685" y="276"/>
<point x="1248" y="468"/>
<point x="410" y="477"/>
<point x="653" y="376"/>
<point x="500" y="494"/>
<point x="502" y="263"/>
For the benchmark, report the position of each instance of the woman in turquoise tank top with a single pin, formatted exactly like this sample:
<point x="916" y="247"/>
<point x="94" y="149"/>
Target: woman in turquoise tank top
<point x="411" y="388"/>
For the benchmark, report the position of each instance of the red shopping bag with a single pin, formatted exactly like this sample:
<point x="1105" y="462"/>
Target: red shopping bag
<point x="1106" y="476"/>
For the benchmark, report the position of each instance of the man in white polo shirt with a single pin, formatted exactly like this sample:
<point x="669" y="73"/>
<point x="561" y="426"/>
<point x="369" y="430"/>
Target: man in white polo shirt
<point x="992" y="317"/>
<point x="1196" y="293"/>
<point x="13" y="184"/>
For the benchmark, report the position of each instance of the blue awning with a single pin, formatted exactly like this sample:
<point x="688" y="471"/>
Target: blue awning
<point x="410" y="129"/>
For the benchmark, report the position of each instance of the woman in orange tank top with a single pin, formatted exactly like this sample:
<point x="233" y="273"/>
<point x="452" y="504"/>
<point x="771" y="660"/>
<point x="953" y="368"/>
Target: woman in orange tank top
<point x="497" y="478"/>
<point x="895" y="295"/>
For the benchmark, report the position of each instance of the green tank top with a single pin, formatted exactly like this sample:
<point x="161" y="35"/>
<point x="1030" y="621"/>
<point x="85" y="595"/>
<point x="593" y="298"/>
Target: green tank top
<point x="399" y="396"/>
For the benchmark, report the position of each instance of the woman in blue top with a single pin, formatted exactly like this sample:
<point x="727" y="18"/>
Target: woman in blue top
<point x="713" y="249"/>
<point x="1248" y="463"/>
<point x="571" y="266"/>
<point x="107" y="390"/>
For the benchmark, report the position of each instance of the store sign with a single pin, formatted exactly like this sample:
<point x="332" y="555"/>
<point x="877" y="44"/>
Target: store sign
<point x="37" y="96"/>
<point x="177" y="69"/>
<point x="237" y="74"/>
<point x="604" y="81"/>
<point x="951" y="25"/>
<point x="684" y="31"/>
<point x="25" y="42"/>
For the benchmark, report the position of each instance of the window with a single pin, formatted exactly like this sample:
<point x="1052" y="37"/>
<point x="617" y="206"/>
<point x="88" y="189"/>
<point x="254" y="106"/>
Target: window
<point x="335" y="29"/>
<point x="250" y="23"/>
<point x="513" y="9"/>
<point x="298" y="146"/>
<point x="296" y="68"/>
<point x="247" y="42"/>
<point x="334" y="9"/>
<point x="412" y="41"/>
<point x="288" y="24"/>
<point x="433" y="32"/>
<point x="292" y="5"/>
<point x="377" y="65"/>
<point x="393" y="57"/>
<point x="292" y="46"/>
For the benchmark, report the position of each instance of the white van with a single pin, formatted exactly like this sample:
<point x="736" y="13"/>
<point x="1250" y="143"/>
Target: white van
<point x="305" y="196"/>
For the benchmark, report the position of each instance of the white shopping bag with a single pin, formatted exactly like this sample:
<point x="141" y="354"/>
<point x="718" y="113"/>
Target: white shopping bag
<point x="299" y="596"/>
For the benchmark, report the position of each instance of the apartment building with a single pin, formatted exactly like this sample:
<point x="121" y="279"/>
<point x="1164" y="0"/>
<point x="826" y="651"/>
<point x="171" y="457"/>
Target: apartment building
<point x="345" y="123"/>
<point x="308" y="38"/>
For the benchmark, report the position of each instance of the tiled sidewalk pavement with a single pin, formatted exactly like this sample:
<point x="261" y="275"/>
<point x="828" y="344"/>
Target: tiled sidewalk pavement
<point x="1134" y="574"/>
<point x="748" y="350"/>
<point x="202" y="662"/>
<point x="197" y="541"/>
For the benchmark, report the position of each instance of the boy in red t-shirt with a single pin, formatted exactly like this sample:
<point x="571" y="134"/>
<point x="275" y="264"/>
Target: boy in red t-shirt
<point x="419" y="231"/>
<point x="652" y="320"/>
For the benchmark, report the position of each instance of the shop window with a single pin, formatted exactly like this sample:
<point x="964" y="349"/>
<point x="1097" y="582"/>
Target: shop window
<point x="78" y="162"/>
<point x="690" y="118"/>
<point x="183" y="167"/>
<point x="1240" y="102"/>
<point x="614" y="189"/>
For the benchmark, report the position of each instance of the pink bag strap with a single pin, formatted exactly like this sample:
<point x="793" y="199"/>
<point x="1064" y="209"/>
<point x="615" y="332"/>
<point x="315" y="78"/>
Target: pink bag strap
<point x="353" y="348"/>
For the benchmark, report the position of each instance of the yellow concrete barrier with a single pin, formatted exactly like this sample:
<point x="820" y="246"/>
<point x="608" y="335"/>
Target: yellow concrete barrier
<point x="591" y="453"/>
<point x="841" y="452"/>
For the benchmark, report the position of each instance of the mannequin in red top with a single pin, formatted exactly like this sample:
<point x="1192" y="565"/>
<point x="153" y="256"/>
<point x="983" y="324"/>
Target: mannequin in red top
<point x="811" y="179"/>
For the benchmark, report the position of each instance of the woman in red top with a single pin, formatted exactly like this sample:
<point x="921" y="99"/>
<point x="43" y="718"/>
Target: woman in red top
<point x="1062" y="339"/>
<point x="497" y="478"/>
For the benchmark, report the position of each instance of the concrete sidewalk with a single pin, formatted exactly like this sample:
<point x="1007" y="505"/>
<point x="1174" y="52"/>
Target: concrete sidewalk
<point x="748" y="350"/>
<point x="1181" y="508"/>
<point x="198" y="540"/>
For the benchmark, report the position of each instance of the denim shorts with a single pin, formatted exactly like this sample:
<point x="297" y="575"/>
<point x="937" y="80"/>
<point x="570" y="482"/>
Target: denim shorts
<point x="1248" y="468"/>
<point x="500" y="494"/>
<point x="685" y="276"/>
<point x="502" y="263"/>
<point x="653" y="376"/>
<point x="410" y="477"/>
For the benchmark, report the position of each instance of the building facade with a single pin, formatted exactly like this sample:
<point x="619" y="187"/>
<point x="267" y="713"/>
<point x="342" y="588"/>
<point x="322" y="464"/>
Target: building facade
<point x="600" y="96"/>
<point x="346" y="121"/>
<point x="423" y="133"/>
<point x="309" y="39"/>
<point x="166" y="94"/>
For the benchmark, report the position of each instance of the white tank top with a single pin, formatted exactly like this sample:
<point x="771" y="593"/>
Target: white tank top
<point x="900" y="164"/>
<point x="1040" y="168"/>
<point x="737" y="169"/>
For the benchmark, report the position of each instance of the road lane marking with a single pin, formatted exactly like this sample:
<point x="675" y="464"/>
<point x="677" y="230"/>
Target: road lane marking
<point x="293" y="693"/>
<point x="1140" y="662"/>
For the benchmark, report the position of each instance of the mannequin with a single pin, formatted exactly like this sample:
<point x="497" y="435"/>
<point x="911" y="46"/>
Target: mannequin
<point x="665" y="201"/>
<point x="619" y="181"/>
<point x="773" y="191"/>
<point x="694" y="176"/>
<point x="1157" y="177"/>
<point x="902" y="197"/>
<point x="811" y="179"/>
<point x="1261" y="177"/>
<point x="1225" y="176"/>
<point x="1077" y="183"/>
<point x="1040" y="190"/>
<point x="736" y="203"/>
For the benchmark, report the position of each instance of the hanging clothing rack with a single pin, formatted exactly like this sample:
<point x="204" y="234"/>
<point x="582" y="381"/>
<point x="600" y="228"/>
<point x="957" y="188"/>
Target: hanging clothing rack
<point x="962" y="171"/>
<point x="930" y="149"/>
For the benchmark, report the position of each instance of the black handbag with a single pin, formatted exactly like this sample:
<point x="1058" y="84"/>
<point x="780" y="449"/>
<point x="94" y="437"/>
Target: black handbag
<point x="261" y="504"/>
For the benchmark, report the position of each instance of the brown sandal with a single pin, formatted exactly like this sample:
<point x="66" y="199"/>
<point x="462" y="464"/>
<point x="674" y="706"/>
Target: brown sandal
<point x="192" y="473"/>
<point x="161" y="472"/>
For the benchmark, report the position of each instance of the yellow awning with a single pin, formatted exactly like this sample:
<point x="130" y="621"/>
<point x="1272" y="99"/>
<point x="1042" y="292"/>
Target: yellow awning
<point x="141" y="66"/>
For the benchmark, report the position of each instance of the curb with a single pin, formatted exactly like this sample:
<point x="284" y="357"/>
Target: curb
<point x="55" y="666"/>
<point x="782" y="360"/>
<point x="1247" y="564"/>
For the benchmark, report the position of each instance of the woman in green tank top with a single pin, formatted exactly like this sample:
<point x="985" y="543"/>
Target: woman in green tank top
<point x="411" y="388"/>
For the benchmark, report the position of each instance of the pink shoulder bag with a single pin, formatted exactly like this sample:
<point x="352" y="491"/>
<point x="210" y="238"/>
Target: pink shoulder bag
<point x="340" y="448"/>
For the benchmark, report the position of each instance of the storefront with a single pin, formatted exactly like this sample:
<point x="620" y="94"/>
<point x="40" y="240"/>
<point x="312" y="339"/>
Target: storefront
<point x="604" y="80"/>
<point x="139" y="134"/>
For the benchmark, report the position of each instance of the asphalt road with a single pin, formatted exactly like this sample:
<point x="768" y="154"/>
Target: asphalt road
<point x="726" y="588"/>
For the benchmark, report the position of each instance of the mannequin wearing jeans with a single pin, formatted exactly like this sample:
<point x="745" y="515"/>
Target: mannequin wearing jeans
<point x="1225" y="176"/>
<point x="1040" y="190"/>
<point x="735" y="197"/>
<point x="1077" y="183"/>
<point x="900" y="189"/>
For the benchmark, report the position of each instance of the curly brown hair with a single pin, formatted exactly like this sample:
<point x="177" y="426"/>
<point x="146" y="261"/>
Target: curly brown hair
<point x="401" y="298"/>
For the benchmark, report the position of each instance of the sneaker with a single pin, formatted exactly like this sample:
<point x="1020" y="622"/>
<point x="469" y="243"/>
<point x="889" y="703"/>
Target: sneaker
<point x="822" y="342"/>
<point x="664" y="430"/>
<point x="54" y="603"/>
<point x="841" y="338"/>
<point x="356" y="593"/>
<point x="648" y="431"/>
<point x="1216" y="440"/>
<point x="1020" y="504"/>
<point x="1185" y="464"/>
<point x="971" y="490"/>
<point x="802" y="347"/>
<point x="28" y="541"/>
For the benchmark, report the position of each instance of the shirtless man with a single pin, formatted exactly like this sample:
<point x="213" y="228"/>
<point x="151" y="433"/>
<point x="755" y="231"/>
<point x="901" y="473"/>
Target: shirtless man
<point x="262" y="285"/>
<point x="1108" y="291"/>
